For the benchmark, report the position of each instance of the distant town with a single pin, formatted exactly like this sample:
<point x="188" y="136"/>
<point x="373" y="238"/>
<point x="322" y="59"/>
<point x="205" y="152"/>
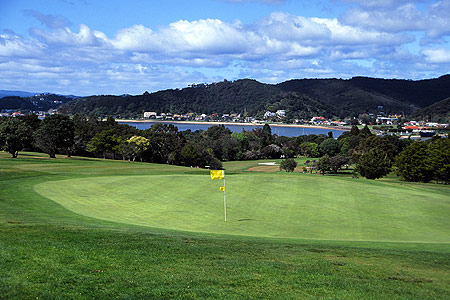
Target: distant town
<point x="379" y="121"/>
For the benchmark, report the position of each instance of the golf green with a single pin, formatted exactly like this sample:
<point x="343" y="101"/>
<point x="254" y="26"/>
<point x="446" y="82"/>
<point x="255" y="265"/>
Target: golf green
<point x="286" y="205"/>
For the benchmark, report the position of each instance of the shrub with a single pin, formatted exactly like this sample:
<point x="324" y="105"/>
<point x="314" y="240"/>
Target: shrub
<point x="288" y="165"/>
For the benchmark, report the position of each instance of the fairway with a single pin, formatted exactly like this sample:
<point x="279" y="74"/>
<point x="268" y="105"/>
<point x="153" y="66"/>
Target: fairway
<point x="265" y="205"/>
<point x="83" y="228"/>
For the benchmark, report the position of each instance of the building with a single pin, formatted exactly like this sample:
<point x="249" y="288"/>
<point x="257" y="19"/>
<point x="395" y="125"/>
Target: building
<point x="150" y="115"/>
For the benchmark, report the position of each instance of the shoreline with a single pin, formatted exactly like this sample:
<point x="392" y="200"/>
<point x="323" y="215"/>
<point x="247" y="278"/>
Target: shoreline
<point x="235" y="123"/>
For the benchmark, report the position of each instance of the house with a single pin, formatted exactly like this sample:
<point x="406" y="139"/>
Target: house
<point x="150" y="115"/>
<point x="318" y="120"/>
<point x="269" y="114"/>
<point x="281" y="113"/>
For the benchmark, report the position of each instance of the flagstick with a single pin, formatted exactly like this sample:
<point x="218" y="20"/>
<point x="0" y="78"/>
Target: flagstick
<point x="224" y="199"/>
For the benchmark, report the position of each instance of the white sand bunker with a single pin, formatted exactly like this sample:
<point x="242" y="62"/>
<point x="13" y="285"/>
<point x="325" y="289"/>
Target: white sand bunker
<point x="268" y="164"/>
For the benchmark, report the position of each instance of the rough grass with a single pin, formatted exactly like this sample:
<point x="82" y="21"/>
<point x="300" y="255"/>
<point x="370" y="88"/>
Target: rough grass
<point x="49" y="252"/>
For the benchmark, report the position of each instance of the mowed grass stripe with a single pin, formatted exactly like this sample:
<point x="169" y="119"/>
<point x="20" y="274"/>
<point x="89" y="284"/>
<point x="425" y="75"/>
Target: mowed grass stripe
<point x="285" y="205"/>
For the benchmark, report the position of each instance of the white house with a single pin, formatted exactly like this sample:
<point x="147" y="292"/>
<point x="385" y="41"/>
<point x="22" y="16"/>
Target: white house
<point x="150" y="115"/>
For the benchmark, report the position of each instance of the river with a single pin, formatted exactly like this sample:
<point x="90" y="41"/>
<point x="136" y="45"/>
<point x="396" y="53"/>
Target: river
<point x="278" y="130"/>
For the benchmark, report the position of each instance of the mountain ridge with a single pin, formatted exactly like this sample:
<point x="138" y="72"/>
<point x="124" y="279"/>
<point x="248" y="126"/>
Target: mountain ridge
<point x="301" y="98"/>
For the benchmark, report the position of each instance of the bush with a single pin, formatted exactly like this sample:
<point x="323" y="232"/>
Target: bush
<point x="288" y="165"/>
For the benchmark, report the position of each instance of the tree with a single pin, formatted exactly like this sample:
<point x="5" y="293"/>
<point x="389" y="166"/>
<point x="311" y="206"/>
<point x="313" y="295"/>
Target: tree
<point x="312" y="165"/>
<point x="56" y="133"/>
<point x="15" y="134"/>
<point x="354" y="130"/>
<point x="330" y="147"/>
<point x="365" y="131"/>
<point x="217" y="132"/>
<point x="135" y="146"/>
<point x="288" y="165"/>
<point x="337" y="162"/>
<point x="268" y="138"/>
<point x="195" y="155"/>
<point x="309" y="149"/>
<point x="414" y="164"/>
<point x="323" y="164"/>
<point x="439" y="155"/>
<point x="105" y="142"/>
<point x="332" y="164"/>
<point x="349" y="144"/>
<point x="164" y="141"/>
<point x="272" y="151"/>
<point x="374" y="164"/>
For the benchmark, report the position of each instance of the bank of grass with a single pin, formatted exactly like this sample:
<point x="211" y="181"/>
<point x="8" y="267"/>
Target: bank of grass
<point x="49" y="252"/>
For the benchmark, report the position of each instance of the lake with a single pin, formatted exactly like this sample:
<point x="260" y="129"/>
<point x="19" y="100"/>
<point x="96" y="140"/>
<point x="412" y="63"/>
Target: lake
<point x="278" y="130"/>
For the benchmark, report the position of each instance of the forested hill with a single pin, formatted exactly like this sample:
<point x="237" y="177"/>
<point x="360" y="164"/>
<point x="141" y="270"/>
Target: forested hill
<point x="439" y="112"/>
<point x="300" y="98"/>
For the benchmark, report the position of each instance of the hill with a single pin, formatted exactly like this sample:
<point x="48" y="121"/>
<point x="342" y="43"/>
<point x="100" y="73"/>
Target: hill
<point x="300" y="98"/>
<point x="41" y="102"/>
<point x="6" y="93"/>
<point x="437" y="112"/>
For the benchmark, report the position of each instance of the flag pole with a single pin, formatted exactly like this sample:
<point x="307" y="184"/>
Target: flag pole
<point x="224" y="199"/>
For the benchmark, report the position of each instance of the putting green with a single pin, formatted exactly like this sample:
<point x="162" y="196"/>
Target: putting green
<point x="294" y="206"/>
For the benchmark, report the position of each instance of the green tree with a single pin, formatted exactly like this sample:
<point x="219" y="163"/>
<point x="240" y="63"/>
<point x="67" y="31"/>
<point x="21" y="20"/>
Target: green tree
<point x="104" y="143"/>
<point x="55" y="133"/>
<point x="414" y="164"/>
<point x="337" y="162"/>
<point x="309" y="149"/>
<point x="323" y="165"/>
<point x="374" y="164"/>
<point x="288" y="165"/>
<point x="439" y="155"/>
<point x="195" y="155"/>
<point x="272" y="151"/>
<point x="15" y="134"/>
<point x="330" y="147"/>
<point x="349" y="144"/>
<point x="268" y="138"/>
<point x="136" y="146"/>
<point x="365" y="131"/>
<point x="354" y="130"/>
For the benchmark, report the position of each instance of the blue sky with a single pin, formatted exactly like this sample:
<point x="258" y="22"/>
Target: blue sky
<point x="86" y="47"/>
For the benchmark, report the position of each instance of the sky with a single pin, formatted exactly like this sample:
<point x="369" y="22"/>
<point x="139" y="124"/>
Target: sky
<point x="87" y="47"/>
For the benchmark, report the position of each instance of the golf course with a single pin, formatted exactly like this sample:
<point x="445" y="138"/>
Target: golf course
<point x="82" y="228"/>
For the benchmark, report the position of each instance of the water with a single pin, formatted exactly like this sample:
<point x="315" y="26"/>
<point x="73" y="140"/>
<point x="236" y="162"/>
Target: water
<point x="278" y="130"/>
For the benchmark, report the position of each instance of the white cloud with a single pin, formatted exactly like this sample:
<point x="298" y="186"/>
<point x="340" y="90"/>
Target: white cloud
<point x="64" y="36"/>
<point x="437" y="55"/>
<point x="405" y="17"/>
<point x="16" y="46"/>
<point x="286" y="27"/>
<point x="398" y="16"/>
<point x="275" y="48"/>
<point x="345" y="35"/>
<point x="210" y="40"/>
<point x="438" y="19"/>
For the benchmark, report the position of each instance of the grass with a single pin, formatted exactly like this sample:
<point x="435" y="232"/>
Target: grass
<point x="312" y="207"/>
<point x="51" y="250"/>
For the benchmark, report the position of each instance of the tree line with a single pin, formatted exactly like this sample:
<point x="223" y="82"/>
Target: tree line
<point x="373" y="156"/>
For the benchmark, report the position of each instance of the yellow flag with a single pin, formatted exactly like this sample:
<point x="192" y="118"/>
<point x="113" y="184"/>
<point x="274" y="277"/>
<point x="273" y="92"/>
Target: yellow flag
<point x="217" y="174"/>
<point x="222" y="189"/>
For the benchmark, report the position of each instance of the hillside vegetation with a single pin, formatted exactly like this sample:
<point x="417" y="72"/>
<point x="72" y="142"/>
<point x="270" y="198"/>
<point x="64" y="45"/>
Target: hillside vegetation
<point x="437" y="112"/>
<point x="300" y="98"/>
